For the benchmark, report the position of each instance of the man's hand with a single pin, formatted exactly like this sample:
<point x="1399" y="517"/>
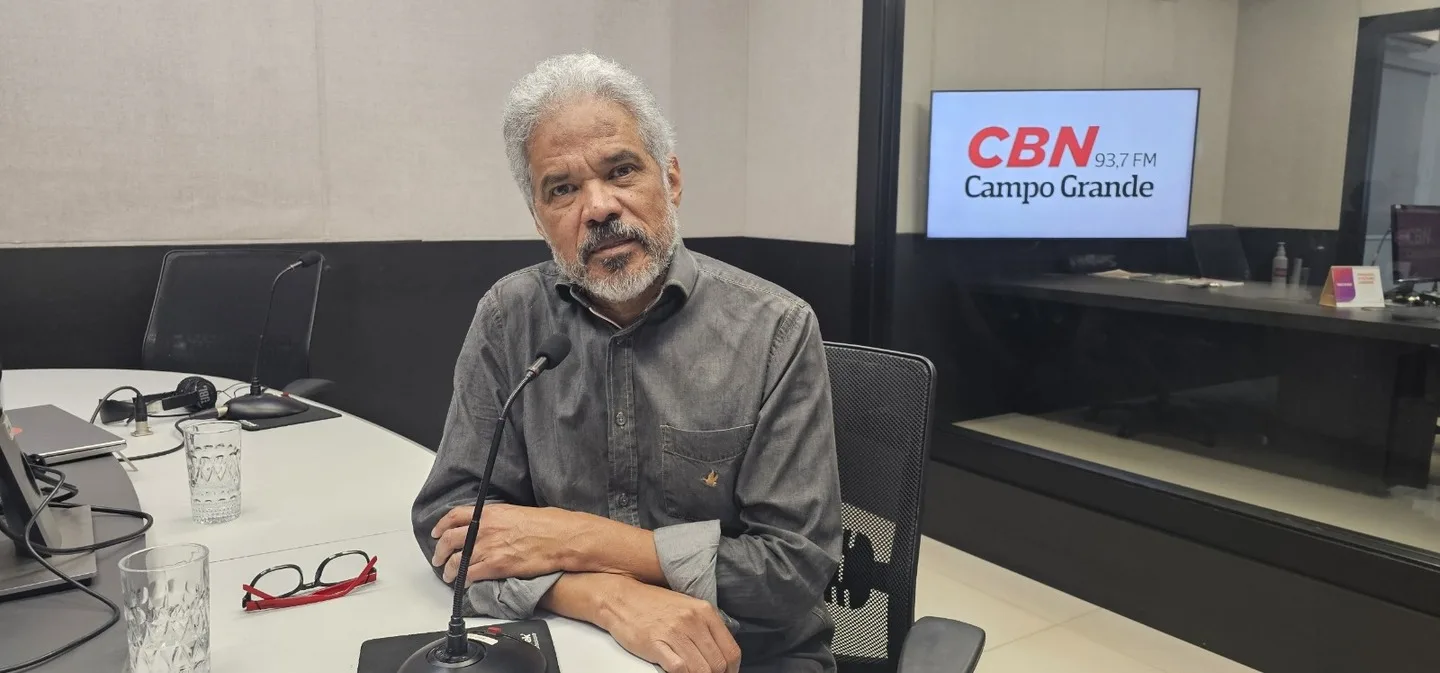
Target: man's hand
<point x="513" y="541"/>
<point x="524" y="542"/>
<point x="679" y="633"/>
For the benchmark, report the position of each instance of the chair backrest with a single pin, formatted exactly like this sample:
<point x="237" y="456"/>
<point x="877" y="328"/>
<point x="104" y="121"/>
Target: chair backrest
<point x="883" y="402"/>
<point x="209" y="307"/>
<point x="1219" y="254"/>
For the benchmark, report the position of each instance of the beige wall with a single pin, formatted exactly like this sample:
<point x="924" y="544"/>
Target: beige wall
<point x="159" y="120"/>
<point x="412" y="95"/>
<point x="915" y="85"/>
<point x="1018" y="44"/>
<point x="1294" y="71"/>
<point x="272" y="120"/>
<point x="804" y="109"/>
<point x="1373" y="7"/>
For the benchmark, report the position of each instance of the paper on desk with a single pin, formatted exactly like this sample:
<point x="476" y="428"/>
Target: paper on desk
<point x="1120" y="274"/>
<point x="1204" y="282"/>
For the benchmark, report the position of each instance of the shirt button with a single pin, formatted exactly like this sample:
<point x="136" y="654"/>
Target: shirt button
<point x="624" y="500"/>
<point x="620" y="418"/>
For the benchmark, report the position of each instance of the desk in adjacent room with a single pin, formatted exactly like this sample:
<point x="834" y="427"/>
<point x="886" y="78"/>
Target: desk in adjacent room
<point x="308" y="491"/>
<point x="1352" y="377"/>
<point x="1286" y="307"/>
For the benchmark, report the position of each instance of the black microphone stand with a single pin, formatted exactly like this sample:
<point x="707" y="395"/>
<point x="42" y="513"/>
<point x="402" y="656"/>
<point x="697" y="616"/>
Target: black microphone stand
<point x="457" y="651"/>
<point x="257" y="405"/>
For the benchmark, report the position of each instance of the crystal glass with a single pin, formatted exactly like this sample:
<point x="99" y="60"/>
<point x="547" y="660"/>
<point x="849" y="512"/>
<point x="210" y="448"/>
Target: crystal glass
<point x="167" y="609"/>
<point x="212" y="451"/>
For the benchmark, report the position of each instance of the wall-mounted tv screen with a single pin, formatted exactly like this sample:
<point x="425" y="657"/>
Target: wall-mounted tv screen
<point x="1113" y="163"/>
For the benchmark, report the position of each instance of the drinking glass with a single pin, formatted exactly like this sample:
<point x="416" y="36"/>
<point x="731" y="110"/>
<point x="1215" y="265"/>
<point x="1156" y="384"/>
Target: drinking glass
<point x="212" y="451"/>
<point x="167" y="609"/>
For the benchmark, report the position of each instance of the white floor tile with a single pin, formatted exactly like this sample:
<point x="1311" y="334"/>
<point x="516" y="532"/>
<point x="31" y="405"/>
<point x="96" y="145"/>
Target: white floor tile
<point x="1033" y="597"/>
<point x="939" y="596"/>
<point x="1034" y="628"/>
<point x="1155" y="648"/>
<point x="1058" y="650"/>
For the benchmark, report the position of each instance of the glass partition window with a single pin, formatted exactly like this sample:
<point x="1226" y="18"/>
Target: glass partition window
<point x="1199" y="356"/>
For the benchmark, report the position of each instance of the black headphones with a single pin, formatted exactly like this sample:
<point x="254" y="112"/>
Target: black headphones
<point x="194" y="394"/>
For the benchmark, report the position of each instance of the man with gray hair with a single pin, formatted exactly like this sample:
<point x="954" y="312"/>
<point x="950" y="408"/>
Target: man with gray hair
<point x="675" y="482"/>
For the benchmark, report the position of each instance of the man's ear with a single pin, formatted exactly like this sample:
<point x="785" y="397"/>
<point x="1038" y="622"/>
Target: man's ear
<point x="677" y="185"/>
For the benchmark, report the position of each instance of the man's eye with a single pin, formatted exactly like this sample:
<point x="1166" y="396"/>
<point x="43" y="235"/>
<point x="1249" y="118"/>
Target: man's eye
<point x="561" y="190"/>
<point x="623" y="171"/>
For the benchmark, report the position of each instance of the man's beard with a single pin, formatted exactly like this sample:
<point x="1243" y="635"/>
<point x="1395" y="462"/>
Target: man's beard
<point x="620" y="284"/>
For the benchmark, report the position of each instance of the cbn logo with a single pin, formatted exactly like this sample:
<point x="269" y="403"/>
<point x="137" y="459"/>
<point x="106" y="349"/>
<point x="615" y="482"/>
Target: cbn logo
<point x="1030" y="147"/>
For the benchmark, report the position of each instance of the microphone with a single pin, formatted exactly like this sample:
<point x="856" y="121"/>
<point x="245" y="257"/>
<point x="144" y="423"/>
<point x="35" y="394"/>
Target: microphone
<point x="257" y="405"/>
<point x="549" y="355"/>
<point x="493" y="652"/>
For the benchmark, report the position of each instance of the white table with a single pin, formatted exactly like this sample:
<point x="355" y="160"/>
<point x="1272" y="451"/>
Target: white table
<point x="308" y="491"/>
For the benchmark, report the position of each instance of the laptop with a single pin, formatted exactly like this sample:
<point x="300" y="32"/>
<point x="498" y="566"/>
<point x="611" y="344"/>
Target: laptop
<point x="56" y="436"/>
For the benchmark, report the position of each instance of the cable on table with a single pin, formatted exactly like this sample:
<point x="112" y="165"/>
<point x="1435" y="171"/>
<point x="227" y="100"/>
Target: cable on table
<point x="35" y="552"/>
<point x="96" y="414"/>
<point x="198" y="415"/>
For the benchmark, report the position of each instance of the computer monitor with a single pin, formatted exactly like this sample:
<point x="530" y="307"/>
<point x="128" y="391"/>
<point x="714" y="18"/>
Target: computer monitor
<point x="1415" y="243"/>
<point x="1066" y="164"/>
<point x="1219" y="252"/>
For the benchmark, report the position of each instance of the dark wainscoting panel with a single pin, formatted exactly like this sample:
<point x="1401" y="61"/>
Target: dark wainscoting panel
<point x="391" y="319"/>
<point x="819" y="273"/>
<point x="1259" y="615"/>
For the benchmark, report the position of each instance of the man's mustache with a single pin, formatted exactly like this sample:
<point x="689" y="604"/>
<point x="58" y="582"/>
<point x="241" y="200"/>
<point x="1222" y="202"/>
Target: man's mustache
<point x="610" y="233"/>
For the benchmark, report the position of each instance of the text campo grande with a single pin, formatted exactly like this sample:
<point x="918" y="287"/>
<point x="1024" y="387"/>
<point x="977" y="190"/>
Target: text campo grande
<point x="1070" y="186"/>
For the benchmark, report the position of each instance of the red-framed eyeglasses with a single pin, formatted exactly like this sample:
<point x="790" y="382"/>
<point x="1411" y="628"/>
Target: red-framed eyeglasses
<point x="284" y="586"/>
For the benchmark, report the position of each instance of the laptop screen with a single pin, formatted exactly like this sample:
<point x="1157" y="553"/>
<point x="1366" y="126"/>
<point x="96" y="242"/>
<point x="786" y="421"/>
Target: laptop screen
<point x="18" y="494"/>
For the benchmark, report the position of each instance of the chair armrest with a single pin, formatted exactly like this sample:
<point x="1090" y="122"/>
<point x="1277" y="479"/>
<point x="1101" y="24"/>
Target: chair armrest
<point x="937" y="645"/>
<point x="309" y="388"/>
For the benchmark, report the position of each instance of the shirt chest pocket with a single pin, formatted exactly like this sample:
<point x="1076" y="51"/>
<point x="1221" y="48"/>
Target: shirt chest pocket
<point x="698" y="470"/>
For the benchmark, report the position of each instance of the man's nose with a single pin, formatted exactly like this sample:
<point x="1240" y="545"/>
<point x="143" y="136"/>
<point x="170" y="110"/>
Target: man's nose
<point x="600" y="204"/>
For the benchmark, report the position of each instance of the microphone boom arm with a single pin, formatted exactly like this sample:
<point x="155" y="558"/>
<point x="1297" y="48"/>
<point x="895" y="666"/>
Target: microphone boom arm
<point x="456" y="642"/>
<point x="255" y="388"/>
<point x="257" y="405"/>
<point x="456" y="652"/>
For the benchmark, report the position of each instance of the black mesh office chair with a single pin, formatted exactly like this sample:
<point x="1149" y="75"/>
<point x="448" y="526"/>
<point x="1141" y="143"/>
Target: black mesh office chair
<point x="883" y="402"/>
<point x="209" y="307"/>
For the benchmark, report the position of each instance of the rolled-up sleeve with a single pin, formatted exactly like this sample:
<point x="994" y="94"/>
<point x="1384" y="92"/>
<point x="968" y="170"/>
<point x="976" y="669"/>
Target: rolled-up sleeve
<point x="511" y="598"/>
<point x="687" y="554"/>
<point x="454" y="478"/>
<point x="788" y="489"/>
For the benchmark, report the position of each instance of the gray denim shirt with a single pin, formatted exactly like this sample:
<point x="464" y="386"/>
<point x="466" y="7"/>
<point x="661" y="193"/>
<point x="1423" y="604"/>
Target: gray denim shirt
<point x="708" y="420"/>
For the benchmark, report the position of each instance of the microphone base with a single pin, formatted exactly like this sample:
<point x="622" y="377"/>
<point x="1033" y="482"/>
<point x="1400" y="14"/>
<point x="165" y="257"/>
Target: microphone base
<point x="488" y="654"/>
<point x="258" y="407"/>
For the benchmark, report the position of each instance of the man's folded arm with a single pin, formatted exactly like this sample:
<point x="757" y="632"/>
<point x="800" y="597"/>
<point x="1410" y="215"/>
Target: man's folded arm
<point x="512" y="598"/>
<point x="508" y="598"/>
<point x="788" y="489"/>
<point x="686" y="553"/>
<point x="454" y="479"/>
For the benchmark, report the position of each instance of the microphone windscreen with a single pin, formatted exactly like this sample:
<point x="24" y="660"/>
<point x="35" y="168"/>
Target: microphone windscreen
<point x="310" y="258"/>
<point x="554" y="349"/>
